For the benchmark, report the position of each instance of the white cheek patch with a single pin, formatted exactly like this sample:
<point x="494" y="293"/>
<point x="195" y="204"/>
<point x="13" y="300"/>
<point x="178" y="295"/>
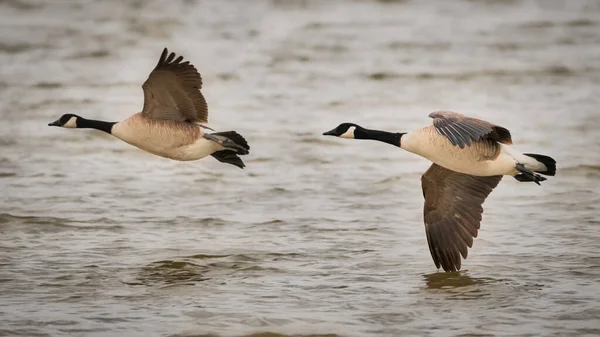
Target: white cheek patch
<point x="349" y="133"/>
<point x="70" y="123"/>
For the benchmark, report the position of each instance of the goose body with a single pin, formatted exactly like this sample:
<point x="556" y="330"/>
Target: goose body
<point x="169" y="139"/>
<point x="479" y="159"/>
<point x="173" y="121"/>
<point x="470" y="157"/>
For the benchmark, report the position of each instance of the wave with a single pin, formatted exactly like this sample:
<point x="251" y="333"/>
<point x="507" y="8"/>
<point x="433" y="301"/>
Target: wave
<point x="556" y="70"/>
<point x="260" y="334"/>
<point x="590" y="171"/>
<point x="192" y="269"/>
<point x="48" y="223"/>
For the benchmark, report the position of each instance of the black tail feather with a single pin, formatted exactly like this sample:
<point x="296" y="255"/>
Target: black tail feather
<point x="229" y="157"/>
<point x="549" y="162"/>
<point x="234" y="137"/>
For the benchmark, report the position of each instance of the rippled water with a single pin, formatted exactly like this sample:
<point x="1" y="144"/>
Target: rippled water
<point x="316" y="236"/>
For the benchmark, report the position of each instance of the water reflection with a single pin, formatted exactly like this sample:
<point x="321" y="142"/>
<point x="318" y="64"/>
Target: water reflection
<point x="441" y="280"/>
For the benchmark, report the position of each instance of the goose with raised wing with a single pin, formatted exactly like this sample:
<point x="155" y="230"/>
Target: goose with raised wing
<point x="172" y="123"/>
<point x="469" y="157"/>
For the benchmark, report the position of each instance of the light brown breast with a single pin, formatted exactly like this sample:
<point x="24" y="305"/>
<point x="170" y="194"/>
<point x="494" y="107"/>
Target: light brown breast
<point x="155" y="135"/>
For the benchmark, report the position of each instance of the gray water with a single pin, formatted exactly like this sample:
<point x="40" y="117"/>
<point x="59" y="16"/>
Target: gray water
<point x="317" y="236"/>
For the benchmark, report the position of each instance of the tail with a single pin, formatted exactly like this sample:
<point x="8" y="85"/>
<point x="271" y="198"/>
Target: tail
<point x="547" y="167"/>
<point x="234" y="145"/>
<point x="535" y="163"/>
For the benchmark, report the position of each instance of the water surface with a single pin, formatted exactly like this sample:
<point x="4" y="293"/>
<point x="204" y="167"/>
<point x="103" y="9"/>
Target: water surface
<point x="317" y="236"/>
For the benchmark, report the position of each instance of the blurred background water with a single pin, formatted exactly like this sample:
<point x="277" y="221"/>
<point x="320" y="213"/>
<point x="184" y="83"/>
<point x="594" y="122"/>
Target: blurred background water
<point x="316" y="236"/>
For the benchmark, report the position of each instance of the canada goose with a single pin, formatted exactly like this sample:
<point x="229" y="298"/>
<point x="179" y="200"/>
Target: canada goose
<point x="469" y="157"/>
<point x="171" y="123"/>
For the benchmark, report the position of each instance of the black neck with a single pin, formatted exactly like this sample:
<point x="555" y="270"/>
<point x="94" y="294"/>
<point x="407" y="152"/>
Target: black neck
<point x="392" y="138"/>
<point x="83" y="123"/>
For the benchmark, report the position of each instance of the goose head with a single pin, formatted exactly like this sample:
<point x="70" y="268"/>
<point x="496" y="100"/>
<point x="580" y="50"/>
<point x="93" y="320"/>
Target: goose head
<point x="347" y="130"/>
<point x="66" y="121"/>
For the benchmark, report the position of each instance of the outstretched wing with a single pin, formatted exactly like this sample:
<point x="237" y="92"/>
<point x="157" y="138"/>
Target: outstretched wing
<point x="462" y="130"/>
<point x="452" y="212"/>
<point x="172" y="91"/>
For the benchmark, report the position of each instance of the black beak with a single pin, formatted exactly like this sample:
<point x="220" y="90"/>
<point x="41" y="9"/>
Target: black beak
<point x="329" y="133"/>
<point x="55" y="123"/>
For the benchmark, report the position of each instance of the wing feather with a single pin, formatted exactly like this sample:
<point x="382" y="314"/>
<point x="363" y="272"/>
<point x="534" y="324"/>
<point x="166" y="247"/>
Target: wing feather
<point x="172" y="91"/>
<point x="452" y="212"/>
<point x="460" y="130"/>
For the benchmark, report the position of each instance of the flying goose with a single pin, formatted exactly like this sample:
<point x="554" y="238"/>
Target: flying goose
<point x="172" y="122"/>
<point x="469" y="157"/>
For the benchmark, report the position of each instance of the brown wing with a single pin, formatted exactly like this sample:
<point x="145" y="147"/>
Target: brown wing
<point x="172" y="91"/>
<point x="452" y="212"/>
<point x="462" y="130"/>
